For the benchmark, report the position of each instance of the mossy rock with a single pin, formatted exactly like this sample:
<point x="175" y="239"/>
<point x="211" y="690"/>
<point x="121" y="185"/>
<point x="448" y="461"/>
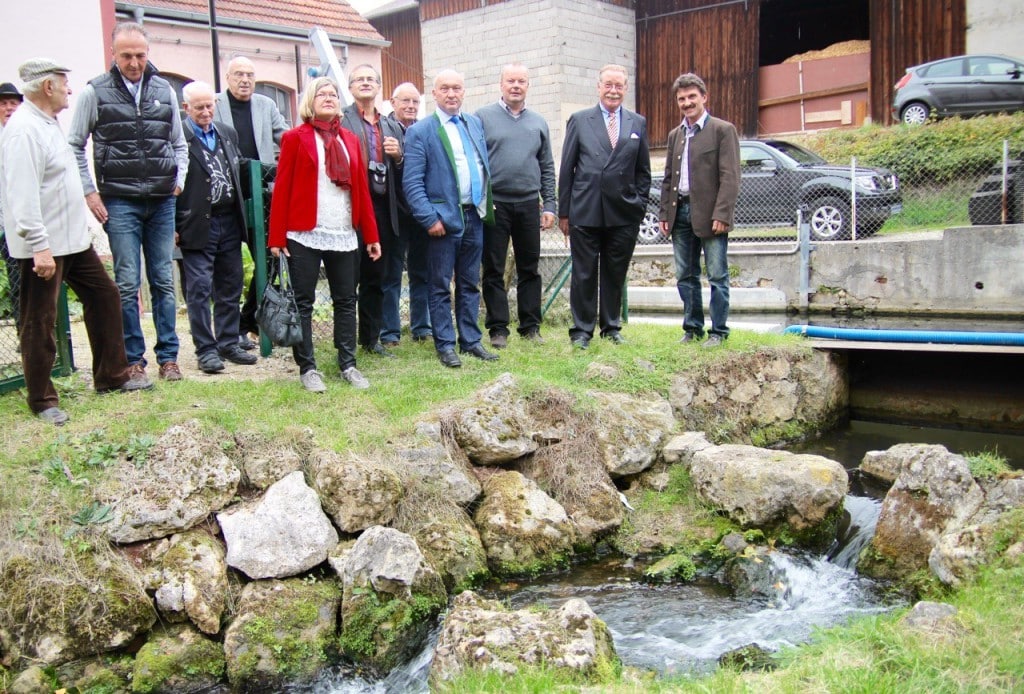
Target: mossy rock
<point x="178" y="661"/>
<point x="382" y="631"/>
<point x="58" y="611"/>
<point x="283" y="631"/>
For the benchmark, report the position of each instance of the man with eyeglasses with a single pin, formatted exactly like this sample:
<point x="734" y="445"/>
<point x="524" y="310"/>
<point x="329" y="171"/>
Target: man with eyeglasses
<point x="410" y="249"/>
<point x="259" y="125"/>
<point x="447" y="186"/>
<point x="381" y="142"/>
<point x="603" y="185"/>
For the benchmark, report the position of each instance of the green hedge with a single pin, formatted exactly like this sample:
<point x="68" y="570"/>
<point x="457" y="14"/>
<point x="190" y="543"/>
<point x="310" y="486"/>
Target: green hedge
<point x="937" y="152"/>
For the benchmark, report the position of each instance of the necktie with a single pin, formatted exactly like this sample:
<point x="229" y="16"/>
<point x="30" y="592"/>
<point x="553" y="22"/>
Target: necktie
<point x="470" y="152"/>
<point x="613" y="129"/>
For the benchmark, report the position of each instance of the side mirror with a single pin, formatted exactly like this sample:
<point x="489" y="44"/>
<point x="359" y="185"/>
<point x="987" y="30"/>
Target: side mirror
<point x="769" y="165"/>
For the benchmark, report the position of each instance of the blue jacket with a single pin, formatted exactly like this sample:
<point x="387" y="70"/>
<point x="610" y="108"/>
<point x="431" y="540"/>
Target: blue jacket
<point x="429" y="180"/>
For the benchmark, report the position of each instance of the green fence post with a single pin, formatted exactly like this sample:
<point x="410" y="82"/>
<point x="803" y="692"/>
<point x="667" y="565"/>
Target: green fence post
<point x="258" y="228"/>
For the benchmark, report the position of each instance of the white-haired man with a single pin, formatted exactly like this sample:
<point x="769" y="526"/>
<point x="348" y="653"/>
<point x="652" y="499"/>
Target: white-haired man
<point x="48" y="233"/>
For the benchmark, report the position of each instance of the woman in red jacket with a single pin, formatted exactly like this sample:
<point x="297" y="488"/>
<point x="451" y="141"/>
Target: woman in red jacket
<point x="321" y="212"/>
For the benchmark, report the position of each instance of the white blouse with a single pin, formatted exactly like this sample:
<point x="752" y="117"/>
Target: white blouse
<point x="333" y="230"/>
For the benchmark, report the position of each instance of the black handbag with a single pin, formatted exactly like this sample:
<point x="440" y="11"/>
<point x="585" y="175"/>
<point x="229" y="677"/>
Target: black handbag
<point x="278" y="314"/>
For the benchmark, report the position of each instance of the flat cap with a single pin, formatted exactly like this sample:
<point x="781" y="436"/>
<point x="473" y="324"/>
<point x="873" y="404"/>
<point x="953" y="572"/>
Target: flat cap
<point x="40" y="67"/>
<point x="8" y="90"/>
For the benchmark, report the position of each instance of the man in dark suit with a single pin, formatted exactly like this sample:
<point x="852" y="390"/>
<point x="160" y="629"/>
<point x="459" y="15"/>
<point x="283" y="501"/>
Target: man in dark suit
<point x="604" y="182"/>
<point x="210" y="228"/>
<point x="698" y="202"/>
<point x="447" y="187"/>
<point x="381" y="142"/>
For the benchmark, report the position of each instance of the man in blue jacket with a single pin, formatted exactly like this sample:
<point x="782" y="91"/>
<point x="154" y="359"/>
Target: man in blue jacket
<point x="447" y="187"/>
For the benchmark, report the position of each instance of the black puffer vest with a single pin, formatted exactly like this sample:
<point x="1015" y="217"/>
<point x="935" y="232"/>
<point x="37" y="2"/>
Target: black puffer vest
<point x="132" y="146"/>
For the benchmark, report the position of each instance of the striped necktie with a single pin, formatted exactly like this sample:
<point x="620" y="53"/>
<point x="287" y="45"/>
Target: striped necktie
<point x="613" y="129"/>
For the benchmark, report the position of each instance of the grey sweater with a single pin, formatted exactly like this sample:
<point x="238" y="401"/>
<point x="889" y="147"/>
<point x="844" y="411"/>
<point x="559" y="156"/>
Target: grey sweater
<point x="519" y="151"/>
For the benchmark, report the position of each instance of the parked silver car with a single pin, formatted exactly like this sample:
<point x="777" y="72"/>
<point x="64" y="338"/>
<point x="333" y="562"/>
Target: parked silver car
<point x="966" y="85"/>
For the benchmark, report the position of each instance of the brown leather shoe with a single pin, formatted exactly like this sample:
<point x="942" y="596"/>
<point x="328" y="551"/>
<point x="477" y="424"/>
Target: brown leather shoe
<point x="169" y="371"/>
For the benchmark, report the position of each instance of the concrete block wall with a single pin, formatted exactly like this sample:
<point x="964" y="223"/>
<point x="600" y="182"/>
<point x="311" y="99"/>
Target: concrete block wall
<point x="563" y="42"/>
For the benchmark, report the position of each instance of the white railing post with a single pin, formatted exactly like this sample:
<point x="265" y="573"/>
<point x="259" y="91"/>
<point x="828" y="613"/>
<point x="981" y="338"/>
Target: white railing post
<point x="853" y="198"/>
<point x="1005" y="197"/>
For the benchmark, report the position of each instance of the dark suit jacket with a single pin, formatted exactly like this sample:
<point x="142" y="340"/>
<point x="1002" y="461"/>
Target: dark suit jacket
<point x="429" y="180"/>
<point x="293" y="205"/>
<point x="714" y="175"/>
<point x="192" y="207"/>
<point x="598" y="187"/>
<point x="350" y="119"/>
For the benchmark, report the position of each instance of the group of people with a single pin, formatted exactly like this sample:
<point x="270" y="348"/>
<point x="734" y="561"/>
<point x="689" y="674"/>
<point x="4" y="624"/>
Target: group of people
<point x="364" y="195"/>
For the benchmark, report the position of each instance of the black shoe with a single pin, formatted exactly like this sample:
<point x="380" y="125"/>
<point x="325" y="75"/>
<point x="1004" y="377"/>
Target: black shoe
<point x="499" y="340"/>
<point x="479" y="352"/>
<point x="581" y="342"/>
<point x="691" y="337"/>
<point x="615" y="338"/>
<point x="378" y="349"/>
<point x="450" y="359"/>
<point x="210" y="363"/>
<point x="245" y="343"/>
<point x="422" y="338"/>
<point x="236" y="355"/>
<point x="534" y="337"/>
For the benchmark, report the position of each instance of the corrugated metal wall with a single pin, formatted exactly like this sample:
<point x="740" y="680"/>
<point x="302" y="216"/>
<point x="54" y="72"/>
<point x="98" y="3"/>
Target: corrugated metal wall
<point x="911" y="32"/>
<point x="716" y="39"/>
<point x="402" y="61"/>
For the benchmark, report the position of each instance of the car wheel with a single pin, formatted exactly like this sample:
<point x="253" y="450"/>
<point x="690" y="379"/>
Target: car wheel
<point x="830" y="219"/>
<point x="650" y="227"/>
<point x="915" y="113"/>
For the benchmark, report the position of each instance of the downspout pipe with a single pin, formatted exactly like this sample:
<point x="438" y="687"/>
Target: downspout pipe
<point x="944" y="337"/>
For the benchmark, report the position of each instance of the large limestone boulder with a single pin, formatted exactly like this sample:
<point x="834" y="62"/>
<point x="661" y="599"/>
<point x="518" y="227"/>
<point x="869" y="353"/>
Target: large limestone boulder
<point x="483" y="635"/>
<point x="524" y="531"/>
<point x="186" y="477"/>
<point x="764" y="488"/>
<point x="282" y="534"/>
<point x="357" y="494"/>
<point x="762" y="397"/>
<point x="178" y="660"/>
<point x="630" y="431"/>
<point x="59" y="610"/>
<point x="934" y="493"/>
<point x="390" y="594"/>
<point x="494" y="428"/>
<point x="992" y="532"/>
<point x="572" y="473"/>
<point x="451" y="543"/>
<point x="191" y="581"/>
<point x="283" y="631"/>
<point x="431" y="467"/>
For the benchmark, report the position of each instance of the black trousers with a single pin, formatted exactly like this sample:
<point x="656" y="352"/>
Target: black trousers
<point x="342" y="268"/>
<point x="520" y="223"/>
<point x="371" y="277"/>
<point x="214" y="274"/>
<point x="101" y="303"/>
<point x="600" y="262"/>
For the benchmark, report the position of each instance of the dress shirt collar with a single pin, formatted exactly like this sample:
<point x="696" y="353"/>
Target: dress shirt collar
<point x="445" y="118"/>
<point x="207" y="137"/>
<point x="699" y="125"/>
<point x="509" y="111"/>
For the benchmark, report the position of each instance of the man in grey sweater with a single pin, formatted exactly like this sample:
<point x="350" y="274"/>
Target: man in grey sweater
<point x="523" y="184"/>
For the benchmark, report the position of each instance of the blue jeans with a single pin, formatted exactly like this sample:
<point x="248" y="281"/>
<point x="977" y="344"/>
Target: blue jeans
<point x="458" y="255"/>
<point x="687" y="247"/>
<point x="408" y="253"/>
<point x="144" y="225"/>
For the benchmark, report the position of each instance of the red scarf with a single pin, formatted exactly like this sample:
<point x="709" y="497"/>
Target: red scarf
<point x="335" y="161"/>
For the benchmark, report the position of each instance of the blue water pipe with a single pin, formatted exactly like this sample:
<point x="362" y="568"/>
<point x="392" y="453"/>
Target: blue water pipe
<point x="944" y="337"/>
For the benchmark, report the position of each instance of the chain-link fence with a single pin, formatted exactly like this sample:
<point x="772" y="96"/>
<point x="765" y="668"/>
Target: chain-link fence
<point x="936" y="189"/>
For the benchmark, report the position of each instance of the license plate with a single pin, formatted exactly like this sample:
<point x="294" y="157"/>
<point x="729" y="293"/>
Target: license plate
<point x="896" y="209"/>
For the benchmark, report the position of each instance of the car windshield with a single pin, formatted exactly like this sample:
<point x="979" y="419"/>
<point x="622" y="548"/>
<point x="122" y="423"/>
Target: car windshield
<point x="798" y="154"/>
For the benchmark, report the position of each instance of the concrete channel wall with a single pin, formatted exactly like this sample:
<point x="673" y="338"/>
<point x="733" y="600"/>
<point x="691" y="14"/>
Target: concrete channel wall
<point x="972" y="271"/>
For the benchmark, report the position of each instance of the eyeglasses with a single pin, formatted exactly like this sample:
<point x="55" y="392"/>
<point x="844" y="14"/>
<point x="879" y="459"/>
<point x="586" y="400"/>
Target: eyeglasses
<point x="613" y="85"/>
<point x="326" y="95"/>
<point x="369" y="79"/>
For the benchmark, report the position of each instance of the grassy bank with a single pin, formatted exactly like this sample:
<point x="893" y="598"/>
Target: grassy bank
<point x="46" y="501"/>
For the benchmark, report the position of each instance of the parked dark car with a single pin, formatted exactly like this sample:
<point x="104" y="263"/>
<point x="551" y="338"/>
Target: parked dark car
<point x="777" y="177"/>
<point x="967" y="85"/>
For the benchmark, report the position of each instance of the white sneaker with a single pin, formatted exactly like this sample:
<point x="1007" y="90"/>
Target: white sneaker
<point x="313" y="381"/>
<point x="352" y="375"/>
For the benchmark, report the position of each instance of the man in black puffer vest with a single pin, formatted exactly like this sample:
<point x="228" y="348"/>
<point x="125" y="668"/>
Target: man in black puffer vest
<point x="140" y="158"/>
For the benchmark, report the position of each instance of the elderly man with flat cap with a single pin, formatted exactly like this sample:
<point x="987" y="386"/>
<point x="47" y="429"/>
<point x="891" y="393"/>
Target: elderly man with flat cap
<point x="49" y="234"/>
<point x="10" y="100"/>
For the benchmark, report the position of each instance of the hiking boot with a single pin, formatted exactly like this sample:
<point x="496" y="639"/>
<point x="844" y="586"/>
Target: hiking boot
<point x="169" y="371"/>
